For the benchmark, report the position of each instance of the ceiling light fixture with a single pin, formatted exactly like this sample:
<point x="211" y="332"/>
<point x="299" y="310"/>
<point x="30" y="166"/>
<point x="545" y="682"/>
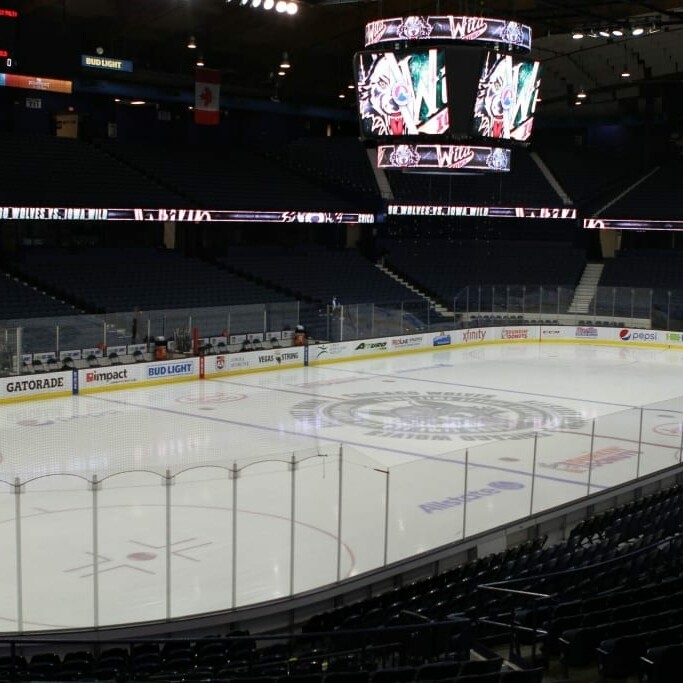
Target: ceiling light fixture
<point x="617" y="32"/>
<point x="191" y="43"/>
<point x="637" y="31"/>
<point x="577" y="35"/>
<point x="290" y="7"/>
<point x="604" y="33"/>
<point x="200" y="61"/>
<point x="284" y="64"/>
<point x="582" y="95"/>
<point x="625" y="72"/>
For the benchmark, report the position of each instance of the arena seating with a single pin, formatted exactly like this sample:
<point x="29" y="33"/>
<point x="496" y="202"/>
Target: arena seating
<point x="51" y="171"/>
<point x="526" y="186"/>
<point x="443" y="267"/>
<point x="656" y="270"/>
<point x="319" y="274"/>
<point x="591" y="176"/>
<point x="154" y="279"/>
<point x="339" y="162"/>
<point x="237" y="178"/>
<point x="20" y="300"/>
<point x="655" y="197"/>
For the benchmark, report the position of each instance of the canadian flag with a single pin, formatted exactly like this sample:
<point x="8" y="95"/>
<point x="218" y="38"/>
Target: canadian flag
<point x="207" y="93"/>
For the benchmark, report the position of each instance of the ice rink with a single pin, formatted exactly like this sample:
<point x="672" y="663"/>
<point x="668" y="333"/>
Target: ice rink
<point x="195" y="497"/>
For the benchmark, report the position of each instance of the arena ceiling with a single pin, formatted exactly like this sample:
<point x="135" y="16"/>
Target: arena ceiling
<point x="247" y="44"/>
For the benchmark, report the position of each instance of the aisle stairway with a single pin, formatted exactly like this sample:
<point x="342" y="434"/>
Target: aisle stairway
<point x="438" y="308"/>
<point x="587" y="288"/>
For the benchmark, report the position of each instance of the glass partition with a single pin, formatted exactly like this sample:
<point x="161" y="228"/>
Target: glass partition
<point x="130" y="546"/>
<point x="472" y="305"/>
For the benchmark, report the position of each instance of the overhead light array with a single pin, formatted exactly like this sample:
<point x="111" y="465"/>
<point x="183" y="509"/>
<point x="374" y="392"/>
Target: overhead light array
<point x="280" y="6"/>
<point x="621" y="30"/>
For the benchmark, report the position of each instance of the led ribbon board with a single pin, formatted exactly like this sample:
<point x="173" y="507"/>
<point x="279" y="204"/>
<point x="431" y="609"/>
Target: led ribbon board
<point x="511" y="34"/>
<point x="631" y="224"/>
<point x="47" y="213"/>
<point x="443" y="157"/>
<point x="444" y="210"/>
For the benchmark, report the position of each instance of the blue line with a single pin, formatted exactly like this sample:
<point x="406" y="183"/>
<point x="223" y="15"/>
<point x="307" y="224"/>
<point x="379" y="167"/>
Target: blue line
<point x="317" y="437"/>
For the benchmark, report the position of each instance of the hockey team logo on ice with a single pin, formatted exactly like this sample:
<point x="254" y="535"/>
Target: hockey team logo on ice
<point x="437" y="415"/>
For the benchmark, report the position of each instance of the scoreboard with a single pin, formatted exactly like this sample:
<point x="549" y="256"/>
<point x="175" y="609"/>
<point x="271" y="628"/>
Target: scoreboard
<point x="446" y="92"/>
<point x="9" y="31"/>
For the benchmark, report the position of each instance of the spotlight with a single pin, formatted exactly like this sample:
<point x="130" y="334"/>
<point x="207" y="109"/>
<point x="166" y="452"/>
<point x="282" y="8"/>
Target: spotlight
<point x="604" y="33"/>
<point x="625" y="72"/>
<point x="617" y="32"/>
<point x="582" y="95"/>
<point x="292" y="8"/>
<point x="637" y="31"/>
<point x="351" y="86"/>
<point x="578" y="103"/>
<point x="255" y="3"/>
<point x="200" y="61"/>
<point x="284" y="64"/>
<point x="191" y="43"/>
<point x="281" y="6"/>
<point x="244" y="3"/>
<point x="268" y="4"/>
<point x="281" y="72"/>
<point x="577" y="35"/>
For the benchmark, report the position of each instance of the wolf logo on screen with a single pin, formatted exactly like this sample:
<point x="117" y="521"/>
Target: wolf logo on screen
<point x="403" y="93"/>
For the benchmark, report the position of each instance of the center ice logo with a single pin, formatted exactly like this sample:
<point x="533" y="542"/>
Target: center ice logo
<point x="438" y="415"/>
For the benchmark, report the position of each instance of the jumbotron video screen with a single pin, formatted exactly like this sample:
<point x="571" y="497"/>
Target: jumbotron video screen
<point x="402" y="93"/>
<point x="506" y="98"/>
